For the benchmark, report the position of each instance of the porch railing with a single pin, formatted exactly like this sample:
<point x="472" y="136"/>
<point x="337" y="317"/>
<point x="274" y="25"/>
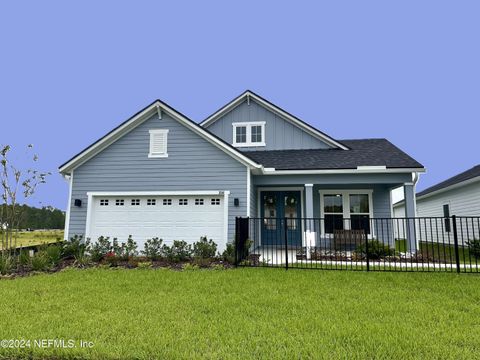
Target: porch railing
<point x="373" y="244"/>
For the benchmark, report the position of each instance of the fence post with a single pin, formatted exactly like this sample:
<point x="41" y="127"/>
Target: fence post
<point x="285" y="227"/>
<point x="366" y="249"/>
<point x="237" y="239"/>
<point x="455" y="242"/>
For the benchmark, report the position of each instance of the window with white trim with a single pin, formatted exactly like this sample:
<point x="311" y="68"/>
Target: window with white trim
<point x="103" y="202"/>
<point x="249" y="134"/>
<point x="151" y="202"/>
<point x="215" y="202"/>
<point x="346" y="210"/>
<point x="158" y="143"/>
<point x="167" y="201"/>
<point x="135" y="202"/>
<point x="198" y="201"/>
<point x="119" y="202"/>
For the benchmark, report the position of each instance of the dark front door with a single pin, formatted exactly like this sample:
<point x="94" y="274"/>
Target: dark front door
<point x="278" y="207"/>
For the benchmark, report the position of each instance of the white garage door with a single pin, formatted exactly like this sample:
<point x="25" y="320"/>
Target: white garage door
<point x="167" y="217"/>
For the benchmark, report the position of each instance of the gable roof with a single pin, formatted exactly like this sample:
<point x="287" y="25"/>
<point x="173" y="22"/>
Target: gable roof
<point x="365" y="152"/>
<point x="470" y="174"/>
<point x="135" y="120"/>
<point x="247" y="95"/>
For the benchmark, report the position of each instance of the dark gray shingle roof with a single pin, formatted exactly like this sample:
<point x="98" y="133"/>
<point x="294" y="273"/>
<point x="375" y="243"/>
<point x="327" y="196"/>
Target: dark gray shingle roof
<point x="466" y="175"/>
<point x="365" y="152"/>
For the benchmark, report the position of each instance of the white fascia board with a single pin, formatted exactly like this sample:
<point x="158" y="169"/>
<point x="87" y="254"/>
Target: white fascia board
<point x="157" y="193"/>
<point x="137" y="120"/>
<point x="308" y="128"/>
<point x="272" y="171"/>
<point x="370" y="168"/>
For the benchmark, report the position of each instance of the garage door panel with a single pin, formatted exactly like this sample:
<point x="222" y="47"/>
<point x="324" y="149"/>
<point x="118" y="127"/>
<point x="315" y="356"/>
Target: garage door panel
<point x="152" y="218"/>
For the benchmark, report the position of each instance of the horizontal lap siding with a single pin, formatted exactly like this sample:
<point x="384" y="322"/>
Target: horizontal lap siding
<point x="192" y="164"/>
<point x="280" y="134"/>
<point x="463" y="201"/>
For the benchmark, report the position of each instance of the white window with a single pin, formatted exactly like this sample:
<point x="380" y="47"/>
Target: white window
<point x="104" y="202"/>
<point x="158" y="143"/>
<point x="198" y="201"/>
<point x="183" y="202"/>
<point x="135" y="202"/>
<point x="167" y="201"/>
<point x="346" y="209"/>
<point x="119" y="202"/>
<point x="249" y="134"/>
<point x="215" y="202"/>
<point x="151" y="202"/>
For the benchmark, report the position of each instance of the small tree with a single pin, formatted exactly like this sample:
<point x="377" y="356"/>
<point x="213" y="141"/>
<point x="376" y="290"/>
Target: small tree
<point x="14" y="184"/>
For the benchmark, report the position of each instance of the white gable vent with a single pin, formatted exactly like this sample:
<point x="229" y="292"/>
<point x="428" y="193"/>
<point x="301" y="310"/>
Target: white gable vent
<point x="158" y="143"/>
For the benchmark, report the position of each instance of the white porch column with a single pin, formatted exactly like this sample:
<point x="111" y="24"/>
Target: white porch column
<point x="309" y="237"/>
<point x="410" y="214"/>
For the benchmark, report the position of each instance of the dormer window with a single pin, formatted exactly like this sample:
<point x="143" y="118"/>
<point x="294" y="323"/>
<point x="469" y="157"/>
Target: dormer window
<point x="249" y="134"/>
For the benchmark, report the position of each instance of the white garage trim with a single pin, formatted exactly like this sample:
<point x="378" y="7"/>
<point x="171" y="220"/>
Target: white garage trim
<point x="156" y="193"/>
<point x="93" y="194"/>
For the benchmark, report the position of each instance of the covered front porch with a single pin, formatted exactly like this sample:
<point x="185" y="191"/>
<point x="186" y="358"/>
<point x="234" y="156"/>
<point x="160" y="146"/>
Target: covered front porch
<point x="318" y="209"/>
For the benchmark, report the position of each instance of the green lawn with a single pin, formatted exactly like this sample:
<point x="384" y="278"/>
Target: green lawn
<point x="244" y="313"/>
<point x="29" y="238"/>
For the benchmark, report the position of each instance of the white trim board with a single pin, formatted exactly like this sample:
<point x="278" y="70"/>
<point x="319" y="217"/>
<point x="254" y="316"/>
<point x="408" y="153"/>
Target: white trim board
<point x="139" y="118"/>
<point x="157" y="193"/>
<point x="249" y="96"/>
<point x="69" y="204"/>
<point x="272" y="171"/>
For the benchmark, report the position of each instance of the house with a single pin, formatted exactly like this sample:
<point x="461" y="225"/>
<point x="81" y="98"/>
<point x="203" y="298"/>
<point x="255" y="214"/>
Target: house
<point x="458" y="195"/>
<point x="160" y="174"/>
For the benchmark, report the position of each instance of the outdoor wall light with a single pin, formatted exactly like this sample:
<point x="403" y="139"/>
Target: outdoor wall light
<point x="236" y="202"/>
<point x="78" y="203"/>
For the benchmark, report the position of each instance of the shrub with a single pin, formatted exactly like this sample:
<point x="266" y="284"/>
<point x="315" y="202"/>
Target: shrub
<point x="218" y="267"/>
<point x="130" y="248"/>
<point x="74" y="247"/>
<point x="111" y="259"/>
<point x="228" y="254"/>
<point x="54" y="253"/>
<point x="153" y="248"/>
<point x="144" y="265"/>
<point x="40" y="261"/>
<point x="24" y="257"/>
<point x="190" y="267"/>
<point x="474" y="247"/>
<point x="179" y="251"/>
<point x="376" y="250"/>
<point x="100" y="248"/>
<point x="204" y="249"/>
<point x="6" y="263"/>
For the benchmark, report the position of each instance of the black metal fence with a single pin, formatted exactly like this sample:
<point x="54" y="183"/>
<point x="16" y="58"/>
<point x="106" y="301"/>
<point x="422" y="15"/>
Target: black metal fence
<point x="373" y="244"/>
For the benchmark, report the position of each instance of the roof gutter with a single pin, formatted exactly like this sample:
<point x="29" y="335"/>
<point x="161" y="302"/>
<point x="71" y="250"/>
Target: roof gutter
<point x="376" y="170"/>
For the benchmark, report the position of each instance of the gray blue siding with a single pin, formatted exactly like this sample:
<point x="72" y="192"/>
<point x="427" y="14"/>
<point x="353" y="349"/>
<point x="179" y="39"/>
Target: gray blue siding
<point x="192" y="164"/>
<point x="280" y="134"/>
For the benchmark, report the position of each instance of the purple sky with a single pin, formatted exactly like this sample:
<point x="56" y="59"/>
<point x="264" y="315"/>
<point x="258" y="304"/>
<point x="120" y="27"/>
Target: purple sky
<point x="407" y="71"/>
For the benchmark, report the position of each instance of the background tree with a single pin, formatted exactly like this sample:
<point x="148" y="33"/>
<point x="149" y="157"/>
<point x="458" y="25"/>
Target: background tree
<point x="16" y="184"/>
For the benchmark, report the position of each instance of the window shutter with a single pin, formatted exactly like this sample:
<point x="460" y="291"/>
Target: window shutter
<point x="158" y="142"/>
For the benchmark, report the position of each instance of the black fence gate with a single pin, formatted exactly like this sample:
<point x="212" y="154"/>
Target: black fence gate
<point x="450" y="244"/>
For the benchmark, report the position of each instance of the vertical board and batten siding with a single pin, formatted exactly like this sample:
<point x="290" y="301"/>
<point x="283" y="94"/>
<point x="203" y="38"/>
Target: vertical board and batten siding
<point x="279" y="133"/>
<point x="192" y="164"/>
<point x="463" y="201"/>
